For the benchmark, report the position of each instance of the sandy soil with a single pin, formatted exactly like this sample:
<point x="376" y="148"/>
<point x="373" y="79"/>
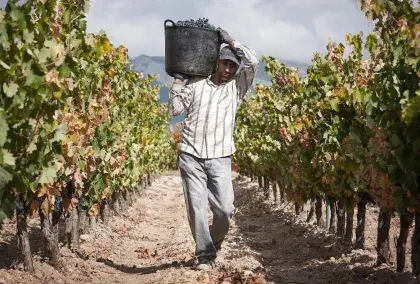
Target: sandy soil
<point x="151" y="243"/>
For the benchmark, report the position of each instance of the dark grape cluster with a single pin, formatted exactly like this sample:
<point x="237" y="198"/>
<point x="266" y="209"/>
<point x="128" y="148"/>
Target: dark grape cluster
<point x="200" y="23"/>
<point x="282" y="80"/>
<point x="58" y="203"/>
<point x="20" y="207"/>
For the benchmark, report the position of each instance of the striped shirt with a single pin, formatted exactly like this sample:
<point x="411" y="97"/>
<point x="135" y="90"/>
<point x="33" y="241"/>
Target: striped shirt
<point x="211" y="110"/>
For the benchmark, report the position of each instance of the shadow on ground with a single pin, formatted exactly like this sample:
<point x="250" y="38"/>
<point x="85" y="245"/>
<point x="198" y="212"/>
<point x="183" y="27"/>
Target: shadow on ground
<point x="148" y="269"/>
<point x="10" y="254"/>
<point x="296" y="252"/>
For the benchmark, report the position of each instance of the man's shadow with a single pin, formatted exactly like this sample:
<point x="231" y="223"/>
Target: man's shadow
<point x="148" y="269"/>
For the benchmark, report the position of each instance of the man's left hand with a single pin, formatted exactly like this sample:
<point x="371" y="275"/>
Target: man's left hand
<point x="225" y="37"/>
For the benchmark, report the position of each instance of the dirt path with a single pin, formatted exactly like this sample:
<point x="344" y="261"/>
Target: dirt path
<point x="152" y="243"/>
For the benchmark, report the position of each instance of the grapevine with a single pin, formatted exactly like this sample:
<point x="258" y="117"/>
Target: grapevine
<point x="348" y="130"/>
<point x="77" y="124"/>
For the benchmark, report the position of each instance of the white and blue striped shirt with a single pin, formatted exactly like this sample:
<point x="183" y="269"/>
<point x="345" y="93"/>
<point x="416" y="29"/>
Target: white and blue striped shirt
<point x="211" y="110"/>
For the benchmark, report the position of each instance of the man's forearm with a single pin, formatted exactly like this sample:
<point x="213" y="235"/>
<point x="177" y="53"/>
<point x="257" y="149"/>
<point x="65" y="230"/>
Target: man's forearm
<point x="178" y="98"/>
<point x="247" y="55"/>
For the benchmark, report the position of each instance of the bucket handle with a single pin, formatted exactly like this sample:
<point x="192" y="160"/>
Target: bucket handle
<point x="170" y="21"/>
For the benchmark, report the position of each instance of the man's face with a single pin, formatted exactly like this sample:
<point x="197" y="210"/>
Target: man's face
<point x="226" y="69"/>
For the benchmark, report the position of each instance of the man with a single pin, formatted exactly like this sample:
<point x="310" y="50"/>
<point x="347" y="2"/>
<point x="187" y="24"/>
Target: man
<point x="207" y="143"/>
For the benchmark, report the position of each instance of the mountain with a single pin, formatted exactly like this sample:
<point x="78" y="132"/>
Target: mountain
<point x="155" y="65"/>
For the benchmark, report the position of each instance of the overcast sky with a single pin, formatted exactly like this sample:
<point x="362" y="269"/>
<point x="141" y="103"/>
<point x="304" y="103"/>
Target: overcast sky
<point x="287" y="29"/>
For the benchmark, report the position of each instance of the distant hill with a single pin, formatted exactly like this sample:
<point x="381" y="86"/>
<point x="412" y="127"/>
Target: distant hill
<point x="155" y="65"/>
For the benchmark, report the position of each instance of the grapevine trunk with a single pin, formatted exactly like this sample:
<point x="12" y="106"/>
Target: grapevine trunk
<point x="266" y="188"/>
<point x="311" y="211"/>
<point x="349" y="224"/>
<point x="333" y="222"/>
<point x="49" y="226"/>
<point x="105" y="214"/>
<point x="92" y="222"/>
<point x="276" y="193"/>
<point x="75" y="229"/>
<point x="406" y="220"/>
<point x="318" y="210"/>
<point x="23" y="239"/>
<point x="341" y="218"/>
<point x="260" y="182"/>
<point x="361" y="219"/>
<point x="415" y="246"/>
<point x="149" y="180"/>
<point x="127" y="198"/>
<point x="115" y="203"/>
<point x="298" y="208"/>
<point x="68" y="229"/>
<point x="382" y="245"/>
<point x="122" y="201"/>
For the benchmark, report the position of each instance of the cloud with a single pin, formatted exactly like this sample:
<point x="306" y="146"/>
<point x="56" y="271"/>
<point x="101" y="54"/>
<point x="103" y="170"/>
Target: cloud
<point x="287" y="29"/>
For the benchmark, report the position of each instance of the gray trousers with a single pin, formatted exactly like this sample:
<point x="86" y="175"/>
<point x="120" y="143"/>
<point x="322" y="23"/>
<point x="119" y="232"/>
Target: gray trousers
<point x="207" y="181"/>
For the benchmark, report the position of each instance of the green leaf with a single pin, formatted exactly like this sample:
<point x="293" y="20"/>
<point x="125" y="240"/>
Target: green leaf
<point x="15" y="14"/>
<point x="10" y="90"/>
<point x="48" y="175"/>
<point x="5" y="66"/>
<point x="64" y="70"/>
<point x="44" y="54"/>
<point x="66" y="17"/>
<point x="34" y="81"/>
<point x="395" y="141"/>
<point x="8" y="158"/>
<point x="5" y="177"/>
<point x="28" y="37"/>
<point x="3" y="130"/>
<point x="7" y="209"/>
<point x="334" y="103"/>
<point x="370" y="122"/>
<point x="60" y="133"/>
<point x="32" y="147"/>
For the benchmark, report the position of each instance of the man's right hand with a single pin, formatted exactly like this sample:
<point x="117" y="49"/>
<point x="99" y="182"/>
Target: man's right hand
<point x="180" y="77"/>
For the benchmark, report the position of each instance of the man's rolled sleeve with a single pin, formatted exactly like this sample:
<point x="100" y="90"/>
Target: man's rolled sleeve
<point x="179" y="98"/>
<point x="248" y="71"/>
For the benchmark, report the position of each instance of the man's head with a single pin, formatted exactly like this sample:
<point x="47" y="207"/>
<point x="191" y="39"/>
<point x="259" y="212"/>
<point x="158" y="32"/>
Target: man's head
<point x="228" y="63"/>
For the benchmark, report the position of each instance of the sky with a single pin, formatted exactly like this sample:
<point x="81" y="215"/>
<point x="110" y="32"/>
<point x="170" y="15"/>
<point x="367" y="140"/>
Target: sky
<point x="286" y="29"/>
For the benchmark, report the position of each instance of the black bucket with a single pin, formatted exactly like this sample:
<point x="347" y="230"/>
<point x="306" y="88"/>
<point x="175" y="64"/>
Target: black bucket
<point x="190" y="50"/>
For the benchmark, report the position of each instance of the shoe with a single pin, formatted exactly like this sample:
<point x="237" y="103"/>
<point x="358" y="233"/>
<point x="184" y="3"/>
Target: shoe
<point x="206" y="265"/>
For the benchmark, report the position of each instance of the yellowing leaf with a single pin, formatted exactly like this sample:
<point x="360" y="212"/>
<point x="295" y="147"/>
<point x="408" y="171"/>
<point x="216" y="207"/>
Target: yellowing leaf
<point x="3" y="129"/>
<point x="94" y="210"/>
<point x="334" y="103"/>
<point x="45" y="206"/>
<point x="10" y="90"/>
<point x="8" y="158"/>
<point x="48" y="175"/>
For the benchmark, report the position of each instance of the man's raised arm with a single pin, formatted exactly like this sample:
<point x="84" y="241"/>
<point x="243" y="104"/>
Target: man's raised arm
<point x="179" y="96"/>
<point x="250" y="60"/>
